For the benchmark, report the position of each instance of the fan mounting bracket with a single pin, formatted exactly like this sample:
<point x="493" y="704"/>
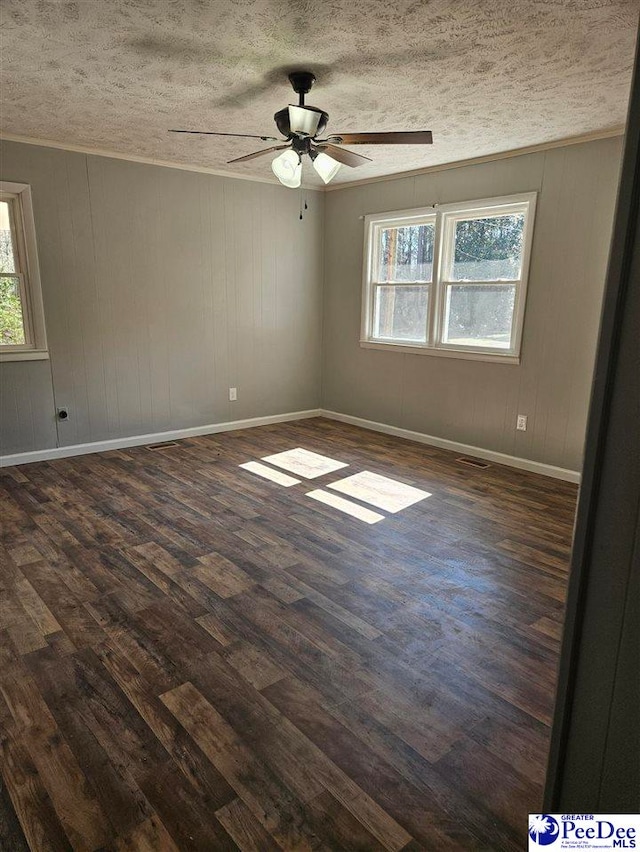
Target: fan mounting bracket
<point x="302" y="81"/>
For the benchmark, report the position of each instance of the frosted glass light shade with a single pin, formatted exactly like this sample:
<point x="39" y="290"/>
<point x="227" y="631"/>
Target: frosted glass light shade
<point x="288" y="169"/>
<point x="326" y="166"/>
<point x="303" y="120"/>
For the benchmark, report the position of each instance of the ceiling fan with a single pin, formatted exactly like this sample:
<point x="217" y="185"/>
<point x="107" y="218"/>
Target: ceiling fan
<point x="302" y="126"/>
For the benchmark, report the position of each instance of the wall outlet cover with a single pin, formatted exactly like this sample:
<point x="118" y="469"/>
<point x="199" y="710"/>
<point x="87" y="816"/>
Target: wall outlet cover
<point x="521" y="423"/>
<point x="233" y="394"/>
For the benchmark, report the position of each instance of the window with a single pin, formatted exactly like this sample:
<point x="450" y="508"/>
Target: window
<point x="22" y="332"/>
<point x="449" y="280"/>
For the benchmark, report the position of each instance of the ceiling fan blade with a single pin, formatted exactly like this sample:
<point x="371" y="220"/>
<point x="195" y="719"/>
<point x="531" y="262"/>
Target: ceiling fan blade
<point x="411" y="137"/>
<point x="215" y="133"/>
<point x="347" y="158"/>
<point x="258" y="153"/>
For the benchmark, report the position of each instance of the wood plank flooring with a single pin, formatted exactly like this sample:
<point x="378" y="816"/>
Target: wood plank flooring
<point x="194" y="658"/>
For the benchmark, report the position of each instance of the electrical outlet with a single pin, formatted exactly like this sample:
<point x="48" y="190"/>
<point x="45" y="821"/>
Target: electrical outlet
<point x="521" y="423"/>
<point x="233" y="394"/>
<point x="62" y="413"/>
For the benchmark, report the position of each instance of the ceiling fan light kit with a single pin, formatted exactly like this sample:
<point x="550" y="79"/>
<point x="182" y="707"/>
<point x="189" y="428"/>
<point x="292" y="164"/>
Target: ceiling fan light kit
<point x="301" y="126"/>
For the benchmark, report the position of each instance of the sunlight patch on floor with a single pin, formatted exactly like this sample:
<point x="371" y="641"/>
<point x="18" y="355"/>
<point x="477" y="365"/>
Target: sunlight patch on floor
<point x="345" y="506"/>
<point x="372" y="488"/>
<point x="268" y="473"/>
<point x="305" y="463"/>
<point x="380" y="491"/>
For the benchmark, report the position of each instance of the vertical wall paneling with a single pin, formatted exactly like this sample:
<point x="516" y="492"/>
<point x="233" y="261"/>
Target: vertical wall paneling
<point x="162" y="288"/>
<point x="476" y="402"/>
<point x="26" y="406"/>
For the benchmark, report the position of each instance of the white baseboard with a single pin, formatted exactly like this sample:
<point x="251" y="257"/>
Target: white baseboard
<point x="212" y="428"/>
<point x="153" y="438"/>
<point x="466" y="449"/>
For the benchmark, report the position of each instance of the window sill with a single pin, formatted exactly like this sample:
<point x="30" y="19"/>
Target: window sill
<point x="25" y="355"/>
<point x="441" y="353"/>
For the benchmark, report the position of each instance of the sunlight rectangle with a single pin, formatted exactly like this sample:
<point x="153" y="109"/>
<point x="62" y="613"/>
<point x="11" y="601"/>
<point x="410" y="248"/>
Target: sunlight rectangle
<point x="345" y="506"/>
<point x="380" y="491"/>
<point x="305" y="463"/>
<point x="267" y="473"/>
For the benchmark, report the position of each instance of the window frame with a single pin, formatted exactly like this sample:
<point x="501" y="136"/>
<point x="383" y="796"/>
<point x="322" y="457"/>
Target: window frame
<point x="445" y="216"/>
<point x="23" y="234"/>
<point x="423" y="216"/>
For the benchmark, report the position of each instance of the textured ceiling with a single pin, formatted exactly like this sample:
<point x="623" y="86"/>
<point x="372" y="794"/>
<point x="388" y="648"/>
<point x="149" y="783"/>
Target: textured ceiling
<point x="484" y="75"/>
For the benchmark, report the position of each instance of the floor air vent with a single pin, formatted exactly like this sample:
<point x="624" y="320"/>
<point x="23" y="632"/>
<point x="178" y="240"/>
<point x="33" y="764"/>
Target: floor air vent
<point x="166" y="445"/>
<point x="473" y="462"/>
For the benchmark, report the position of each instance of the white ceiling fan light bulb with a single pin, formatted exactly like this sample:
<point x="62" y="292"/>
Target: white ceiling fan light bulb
<point x="303" y="120"/>
<point x="326" y="166"/>
<point x="288" y="169"/>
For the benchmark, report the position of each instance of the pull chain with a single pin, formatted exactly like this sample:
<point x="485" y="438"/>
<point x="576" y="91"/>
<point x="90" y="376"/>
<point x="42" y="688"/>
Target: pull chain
<point x="306" y="206"/>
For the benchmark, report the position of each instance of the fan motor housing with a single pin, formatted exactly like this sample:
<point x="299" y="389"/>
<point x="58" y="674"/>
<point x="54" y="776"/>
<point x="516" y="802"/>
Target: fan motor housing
<point x="281" y="119"/>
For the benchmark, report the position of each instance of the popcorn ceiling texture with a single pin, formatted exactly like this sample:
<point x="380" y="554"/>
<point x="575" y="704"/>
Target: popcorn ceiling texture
<point x="483" y="76"/>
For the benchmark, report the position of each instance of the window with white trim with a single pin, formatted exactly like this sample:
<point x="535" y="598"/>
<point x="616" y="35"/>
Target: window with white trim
<point x="449" y="280"/>
<point x="22" y="330"/>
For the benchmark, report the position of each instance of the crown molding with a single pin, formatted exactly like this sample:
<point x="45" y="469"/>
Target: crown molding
<point x="593" y="136"/>
<point x="149" y="161"/>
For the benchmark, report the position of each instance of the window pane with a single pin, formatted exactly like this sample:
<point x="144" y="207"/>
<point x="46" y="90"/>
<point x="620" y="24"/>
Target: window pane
<point x="11" y="322"/>
<point x="488" y="249"/>
<point x="400" y="313"/>
<point x="406" y="254"/>
<point x="479" y="315"/>
<point x="7" y="261"/>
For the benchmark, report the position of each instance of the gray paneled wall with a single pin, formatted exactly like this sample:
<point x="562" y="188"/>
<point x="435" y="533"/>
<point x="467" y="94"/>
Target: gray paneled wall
<point x="26" y="406"/>
<point x="163" y="288"/>
<point x="477" y="402"/>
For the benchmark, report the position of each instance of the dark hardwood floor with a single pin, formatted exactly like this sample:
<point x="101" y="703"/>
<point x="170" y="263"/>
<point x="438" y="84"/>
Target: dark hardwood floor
<point x="192" y="657"/>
